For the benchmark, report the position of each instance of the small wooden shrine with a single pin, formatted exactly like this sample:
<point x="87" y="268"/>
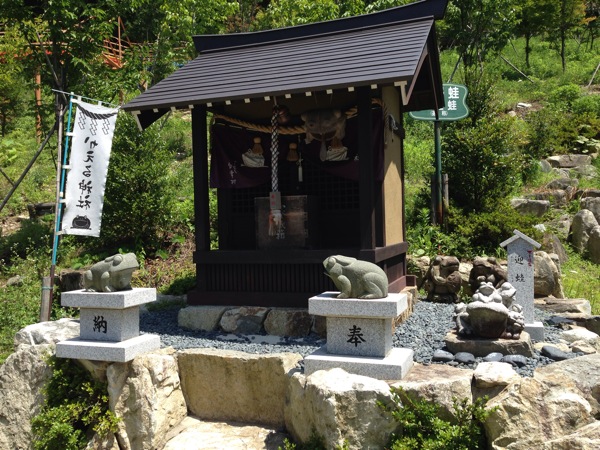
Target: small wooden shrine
<point x="304" y="148"/>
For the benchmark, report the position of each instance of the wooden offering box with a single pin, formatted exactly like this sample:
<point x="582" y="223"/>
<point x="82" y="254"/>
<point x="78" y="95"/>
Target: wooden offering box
<point x="299" y="215"/>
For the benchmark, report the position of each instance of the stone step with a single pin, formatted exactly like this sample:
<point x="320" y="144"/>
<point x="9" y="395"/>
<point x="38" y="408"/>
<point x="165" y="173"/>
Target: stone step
<point x="195" y="434"/>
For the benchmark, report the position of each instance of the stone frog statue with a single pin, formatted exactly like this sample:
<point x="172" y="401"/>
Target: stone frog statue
<point x="355" y="278"/>
<point x="112" y="274"/>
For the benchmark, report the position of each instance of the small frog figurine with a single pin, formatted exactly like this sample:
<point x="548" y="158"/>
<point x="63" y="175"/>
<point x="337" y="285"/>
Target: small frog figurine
<point x="355" y="278"/>
<point x="112" y="274"/>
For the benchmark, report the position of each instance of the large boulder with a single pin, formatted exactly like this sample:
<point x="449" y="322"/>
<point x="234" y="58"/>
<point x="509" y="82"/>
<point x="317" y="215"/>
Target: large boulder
<point x="231" y="385"/>
<point x="22" y="379"/>
<point x="556" y="197"/>
<point x="563" y="183"/>
<point x="583" y="223"/>
<point x="494" y="373"/>
<point x="419" y="266"/>
<point x="565" y="307"/>
<point x="339" y="407"/>
<point x="551" y="243"/>
<point x="586" y="171"/>
<point x="578" y="334"/>
<point x="561" y="226"/>
<point x="592" y="204"/>
<point x="146" y="394"/>
<point x="593" y="246"/>
<point x="569" y="161"/>
<point x="439" y="384"/>
<point x="587" y="437"/>
<point x="244" y="320"/>
<point x="583" y="193"/>
<point x="530" y="412"/>
<point x="583" y="372"/>
<point x="547" y="276"/>
<point x="530" y="207"/>
<point x="47" y="332"/>
<point x="294" y="322"/>
<point x="201" y="318"/>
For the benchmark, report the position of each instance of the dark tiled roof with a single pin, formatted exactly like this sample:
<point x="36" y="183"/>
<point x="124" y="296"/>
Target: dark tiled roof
<point x="383" y="54"/>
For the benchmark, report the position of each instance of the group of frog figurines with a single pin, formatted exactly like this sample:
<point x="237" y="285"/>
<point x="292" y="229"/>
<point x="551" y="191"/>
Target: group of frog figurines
<point x="492" y="313"/>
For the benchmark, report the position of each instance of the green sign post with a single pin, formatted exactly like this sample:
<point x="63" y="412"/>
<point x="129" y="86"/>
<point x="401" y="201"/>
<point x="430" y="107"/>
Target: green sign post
<point x="455" y="108"/>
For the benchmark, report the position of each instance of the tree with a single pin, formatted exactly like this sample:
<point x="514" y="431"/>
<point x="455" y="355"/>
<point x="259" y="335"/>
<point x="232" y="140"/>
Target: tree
<point x="165" y="28"/>
<point x="285" y="13"/>
<point x="592" y="11"/>
<point x="534" y="18"/>
<point x="478" y="28"/>
<point x="65" y="33"/>
<point x="11" y="77"/>
<point x="569" y="15"/>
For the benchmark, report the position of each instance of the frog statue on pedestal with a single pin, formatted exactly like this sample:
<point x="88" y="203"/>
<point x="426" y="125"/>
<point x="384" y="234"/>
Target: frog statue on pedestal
<point x="355" y="278"/>
<point x="112" y="274"/>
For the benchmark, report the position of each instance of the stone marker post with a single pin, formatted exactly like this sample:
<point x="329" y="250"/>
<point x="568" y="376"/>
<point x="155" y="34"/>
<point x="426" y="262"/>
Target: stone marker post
<point x="520" y="250"/>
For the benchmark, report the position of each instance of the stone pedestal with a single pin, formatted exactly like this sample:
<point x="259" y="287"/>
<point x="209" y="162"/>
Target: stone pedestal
<point x="483" y="347"/>
<point x="359" y="336"/>
<point x="535" y="331"/>
<point x="109" y="325"/>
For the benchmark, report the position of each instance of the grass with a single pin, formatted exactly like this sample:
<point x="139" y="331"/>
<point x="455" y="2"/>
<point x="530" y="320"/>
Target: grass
<point x="20" y="304"/>
<point x="581" y="279"/>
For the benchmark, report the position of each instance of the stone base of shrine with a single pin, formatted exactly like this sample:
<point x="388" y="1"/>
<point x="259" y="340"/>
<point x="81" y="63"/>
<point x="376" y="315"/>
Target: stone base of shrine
<point x="124" y="351"/>
<point x="535" y="331"/>
<point x="394" y="366"/>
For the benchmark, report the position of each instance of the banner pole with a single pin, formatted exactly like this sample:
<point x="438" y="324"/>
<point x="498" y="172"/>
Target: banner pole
<point x="61" y="188"/>
<point x="46" y="307"/>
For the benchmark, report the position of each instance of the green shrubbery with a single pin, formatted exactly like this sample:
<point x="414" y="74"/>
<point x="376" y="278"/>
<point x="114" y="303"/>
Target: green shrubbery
<point x="76" y="407"/>
<point x="421" y="428"/>
<point x="137" y="202"/>
<point x="484" y="162"/>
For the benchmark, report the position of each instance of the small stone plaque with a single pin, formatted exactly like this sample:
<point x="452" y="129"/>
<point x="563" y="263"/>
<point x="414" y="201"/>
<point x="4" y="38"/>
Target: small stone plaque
<point x="359" y="336"/>
<point x="111" y="325"/>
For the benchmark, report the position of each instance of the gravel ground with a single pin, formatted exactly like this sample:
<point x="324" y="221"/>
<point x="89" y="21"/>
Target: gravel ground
<point x="423" y="332"/>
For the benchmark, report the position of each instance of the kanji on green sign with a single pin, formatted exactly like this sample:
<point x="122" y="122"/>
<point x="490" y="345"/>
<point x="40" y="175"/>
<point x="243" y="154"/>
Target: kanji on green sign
<point x="455" y="108"/>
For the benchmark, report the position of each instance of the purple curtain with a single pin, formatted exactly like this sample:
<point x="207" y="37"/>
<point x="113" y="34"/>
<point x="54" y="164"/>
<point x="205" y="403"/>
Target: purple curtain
<point x="228" y="143"/>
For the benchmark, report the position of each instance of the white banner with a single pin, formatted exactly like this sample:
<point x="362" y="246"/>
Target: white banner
<point x="93" y="130"/>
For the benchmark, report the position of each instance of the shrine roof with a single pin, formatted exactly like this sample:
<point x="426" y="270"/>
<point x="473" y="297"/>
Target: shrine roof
<point x="395" y="47"/>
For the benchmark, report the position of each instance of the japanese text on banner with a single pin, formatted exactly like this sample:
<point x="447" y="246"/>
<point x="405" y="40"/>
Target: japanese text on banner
<point x="90" y="153"/>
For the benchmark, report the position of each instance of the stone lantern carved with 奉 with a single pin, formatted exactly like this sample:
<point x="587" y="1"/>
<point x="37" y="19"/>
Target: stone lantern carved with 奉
<point x="112" y="274"/>
<point x="355" y="278"/>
